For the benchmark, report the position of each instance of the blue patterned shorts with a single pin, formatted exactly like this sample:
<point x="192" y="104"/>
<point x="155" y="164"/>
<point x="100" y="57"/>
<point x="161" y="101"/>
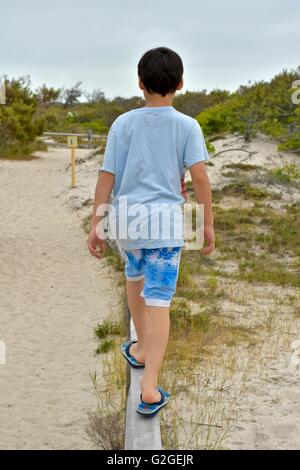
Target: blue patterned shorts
<point x="159" y="268"/>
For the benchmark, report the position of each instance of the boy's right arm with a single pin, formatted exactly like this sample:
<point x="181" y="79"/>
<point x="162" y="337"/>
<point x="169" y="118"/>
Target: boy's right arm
<point x="103" y="192"/>
<point x="202" y="189"/>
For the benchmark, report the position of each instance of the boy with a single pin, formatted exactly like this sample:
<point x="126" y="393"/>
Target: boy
<point x="146" y="152"/>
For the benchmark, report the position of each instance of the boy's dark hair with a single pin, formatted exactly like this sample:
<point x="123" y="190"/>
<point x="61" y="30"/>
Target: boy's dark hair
<point x="160" y="70"/>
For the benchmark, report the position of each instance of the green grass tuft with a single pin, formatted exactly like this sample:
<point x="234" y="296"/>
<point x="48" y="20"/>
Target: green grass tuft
<point x="242" y="166"/>
<point x="107" y="328"/>
<point x="105" y="346"/>
<point x="286" y="174"/>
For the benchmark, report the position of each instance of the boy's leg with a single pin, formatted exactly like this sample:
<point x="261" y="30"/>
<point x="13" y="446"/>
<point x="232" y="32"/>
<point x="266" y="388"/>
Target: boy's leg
<point x="139" y="315"/>
<point x="134" y="271"/>
<point x="161" y="273"/>
<point x="156" y="340"/>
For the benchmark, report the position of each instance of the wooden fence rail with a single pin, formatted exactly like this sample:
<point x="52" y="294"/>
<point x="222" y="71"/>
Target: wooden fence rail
<point x="89" y="136"/>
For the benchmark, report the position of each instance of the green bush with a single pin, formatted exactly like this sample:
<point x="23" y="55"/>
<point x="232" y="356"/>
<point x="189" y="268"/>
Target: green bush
<point x="265" y="107"/>
<point x="19" y="125"/>
<point x="286" y="174"/>
<point x="98" y="126"/>
<point x="214" y="120"/>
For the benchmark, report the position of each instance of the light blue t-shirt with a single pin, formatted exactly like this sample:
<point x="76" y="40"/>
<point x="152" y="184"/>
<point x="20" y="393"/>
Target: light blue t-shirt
<point x="147" y="150"/>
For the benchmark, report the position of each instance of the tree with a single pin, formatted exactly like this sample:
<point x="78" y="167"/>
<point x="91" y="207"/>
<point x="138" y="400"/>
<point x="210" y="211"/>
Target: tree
<point x="19" y="125"/>
<point x="193" y="102"/>
<point x="261" y="106"/>
<point x="95" y="96"/>
<point x="71" y="95"/>
<point x="284" y="119"/>
<point x="47" y="96"/>
<point x="126" y="104"/>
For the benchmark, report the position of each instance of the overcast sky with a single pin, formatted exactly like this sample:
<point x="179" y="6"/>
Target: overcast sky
<point x="223" y="43"/>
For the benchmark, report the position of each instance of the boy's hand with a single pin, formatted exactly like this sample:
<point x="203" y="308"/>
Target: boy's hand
<point x="94" y="242"/>
<point x="209" y="236"/>
<point x="183" y="188"/>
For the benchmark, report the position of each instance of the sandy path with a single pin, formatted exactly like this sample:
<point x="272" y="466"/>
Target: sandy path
<point x="269" y="413"/>
<point x="52" y="295"/>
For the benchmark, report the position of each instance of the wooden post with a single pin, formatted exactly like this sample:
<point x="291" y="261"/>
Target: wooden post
<point x="72" y="143"/>
<point x="90" y="137"/>
<point x="73" y="159"/>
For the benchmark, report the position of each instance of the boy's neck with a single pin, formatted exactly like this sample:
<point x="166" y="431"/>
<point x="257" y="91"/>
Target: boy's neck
<point x="159" y="100"/>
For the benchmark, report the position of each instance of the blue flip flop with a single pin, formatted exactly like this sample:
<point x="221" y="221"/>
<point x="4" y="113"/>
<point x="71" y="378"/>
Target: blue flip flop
<point x="129" y="358"/>
<point x="150" y="409"/>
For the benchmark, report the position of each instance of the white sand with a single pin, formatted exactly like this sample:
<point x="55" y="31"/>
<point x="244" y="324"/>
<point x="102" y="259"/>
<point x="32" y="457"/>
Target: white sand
<point x="53" y="293"/>
<point x="269" y="411"/>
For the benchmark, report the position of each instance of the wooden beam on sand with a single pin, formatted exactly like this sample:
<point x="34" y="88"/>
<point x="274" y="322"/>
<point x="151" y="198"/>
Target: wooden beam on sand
<point x="89" y="136"/>
<point x="142" y="432"/>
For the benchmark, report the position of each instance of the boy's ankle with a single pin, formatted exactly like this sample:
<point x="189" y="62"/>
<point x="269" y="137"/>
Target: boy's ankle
<point x="150" y="394"/>
<point x="149" y="386"/>
<point x="137" y="352"/>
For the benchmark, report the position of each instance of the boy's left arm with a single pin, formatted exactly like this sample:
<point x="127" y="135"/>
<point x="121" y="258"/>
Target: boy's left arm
<point x="103" y="192"/>
<point x="202" y="190"/>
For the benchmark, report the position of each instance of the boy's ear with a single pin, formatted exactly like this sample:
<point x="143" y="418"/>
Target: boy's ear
<point x="141" y="85"/>
<point x="180" y="86"/>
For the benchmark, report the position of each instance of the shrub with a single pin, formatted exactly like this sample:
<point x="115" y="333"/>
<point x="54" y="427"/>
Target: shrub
<point x="286" y="174"/>
<point x="19" y="125"/>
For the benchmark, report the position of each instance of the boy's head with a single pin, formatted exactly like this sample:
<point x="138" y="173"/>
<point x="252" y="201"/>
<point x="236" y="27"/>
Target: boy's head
<point x="160" y="70"/>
